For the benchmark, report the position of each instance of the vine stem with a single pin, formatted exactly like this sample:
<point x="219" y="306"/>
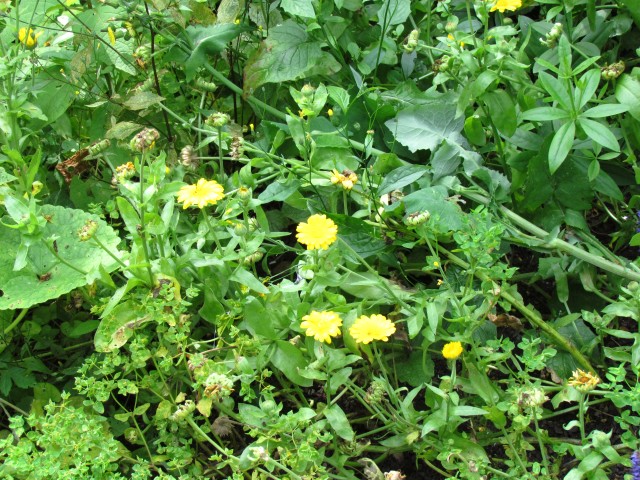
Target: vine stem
<point x="529" y="314"/>
<point x="17" y="321"/>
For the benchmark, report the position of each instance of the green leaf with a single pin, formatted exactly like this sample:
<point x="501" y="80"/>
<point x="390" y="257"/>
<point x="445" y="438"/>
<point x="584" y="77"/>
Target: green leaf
<point x="425" y="128"/>
<point x="628" y="93"/>
<point x="246" y="278"/>
<point x="359" y="235"/>
<point x="123" y="130"/>
<point x="279" y="192"/>
<point x="289" y="360"/>
<point x="116" y="329"/>
<point x="587" y="86"/>
<point x="286" y="54"/>
<point x="45" y="277"/>
<point x="445" y="215"/>
<point x="474" y="131"/>
<point x="207" y="41"/>
<point x="556" y="90"/>
<point x="394" y="12"/>
<point x="502" y="110"/>
<point x="142" y="100"/>
<point x="599" y="133"/>
<point x="340" y="96"/>
<point x="606" y="110"/>
<point x="299" y="8"/>
<point x="401" y="177"/>
<point x="561" y="145"/>
<point x="545" y="114"/>
<point x="339" y="422"/>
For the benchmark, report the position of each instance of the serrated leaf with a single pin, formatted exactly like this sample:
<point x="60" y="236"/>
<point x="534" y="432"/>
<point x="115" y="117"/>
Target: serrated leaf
<point x="299" y="8"/>
<point x="286" y="54"/>
<point x="44" y="277"/>
<point x="142" y="100"/>
<point x="121" y="55"/>
<point x="425" y="128"/>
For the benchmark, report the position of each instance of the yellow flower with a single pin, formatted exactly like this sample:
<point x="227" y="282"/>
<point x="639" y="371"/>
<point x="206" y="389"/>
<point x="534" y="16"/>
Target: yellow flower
<point x="203" y="193"/>
<point x="376" y="327"/>
<point x="322" y="325"/>
<point x="317" y="233"/>
<point x="584" y="381"/>
<point x="502" y="5"/>
<point x="347" y="178"/>
<point x="330" y="112"/>
<point x="452" y="350"/>
<point x="112" y="36"/>
<point x="28" y="38"/>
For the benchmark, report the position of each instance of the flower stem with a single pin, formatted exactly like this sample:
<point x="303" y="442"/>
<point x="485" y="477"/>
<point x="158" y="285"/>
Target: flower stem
<point x="142" y="232"/>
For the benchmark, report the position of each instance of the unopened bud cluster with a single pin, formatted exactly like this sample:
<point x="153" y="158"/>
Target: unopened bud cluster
<point x="123" y="172"/>
<point x="375" y="392"/>
<point x="145" y="140"/>
<point x="237" y="148"/>
<point x="254" y="258"/>
<point x="417" y="218"/>
<point x="613" y="71"/>
<point x="183" y="411"/>
<point x="551" y="38"/>
<point x="88" y="230"/>
<point x="412" y="41"/>
<point x="218" y="120"/>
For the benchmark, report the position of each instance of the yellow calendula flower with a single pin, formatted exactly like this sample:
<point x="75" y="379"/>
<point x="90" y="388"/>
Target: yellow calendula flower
<point x="317" y="233"/>
<point x="502" y="5"/>
<point x="347" y="178"/>
<point x="584" y="381"/>
<point x="452" y="350"/>
<point x="322" y="325"/>
<point x="203" y="193"/>
<point x="376" y="327"/>
<point x="28" y="38"/>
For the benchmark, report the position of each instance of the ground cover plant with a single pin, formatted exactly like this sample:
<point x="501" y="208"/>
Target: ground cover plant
<point x="335" y="239"/>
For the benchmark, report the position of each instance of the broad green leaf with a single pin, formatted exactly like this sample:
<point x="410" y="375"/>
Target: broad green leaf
<point x="45" y="277"/>
<point x="426" y="127"/>
<point x="123" y="130"/>
<point x="299" y="8"/>
<point x="599" y="133"/>
<point x="467" y="411"/>
<point x="561" y="145"/>
<point x="117" y="328"/>
<point x="258" y="320"/>
<point x="207" y="41"/>
<point x="359" y="235"/>
<point x="142" y="100"/>
<point x="289" y="360"/>
<point x="228" y="11"/>
<point x="340" y="96"/>
<point x="445" y="214"/>
<point x="279" y="192"/>
<point x="545" y="114"/>
<point x="394" y="12"/>
<point x="502" y="110"/>
<point x="246" y="278"/>
<point x="628" y="93"/>
<point x="286" y="54"/>
<point x="401" y="177"/>
<point x="121" y="54"/>
<point x="474" y="131"/>
<point x="564" y="54"/>
<point x="339" y="422"/>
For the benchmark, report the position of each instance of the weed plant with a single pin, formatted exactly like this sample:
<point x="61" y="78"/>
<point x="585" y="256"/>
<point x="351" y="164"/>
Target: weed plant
<point x="333" y="239"/>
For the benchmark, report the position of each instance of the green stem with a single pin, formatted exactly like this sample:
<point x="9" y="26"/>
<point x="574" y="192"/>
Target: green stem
<point x="143" y="233"/>
<point x="108" y="252"/>
<point x="529" y="314"/>
<point x="557" y="243"/>
<point x="11" y="405"/>
<point x="15" y="323"/>
<point x="220" y="157"/>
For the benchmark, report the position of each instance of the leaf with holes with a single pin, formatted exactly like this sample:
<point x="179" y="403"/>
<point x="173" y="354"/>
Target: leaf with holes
<point x="45" y="277"/>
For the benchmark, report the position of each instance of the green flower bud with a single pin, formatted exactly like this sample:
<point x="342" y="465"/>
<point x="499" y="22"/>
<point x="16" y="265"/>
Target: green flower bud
<point x="218" y="120"/>
<point x="145" y="140"/>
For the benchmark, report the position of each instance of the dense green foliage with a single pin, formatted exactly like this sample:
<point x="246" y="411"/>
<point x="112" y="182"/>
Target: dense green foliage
<point x="301" y="239"/>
